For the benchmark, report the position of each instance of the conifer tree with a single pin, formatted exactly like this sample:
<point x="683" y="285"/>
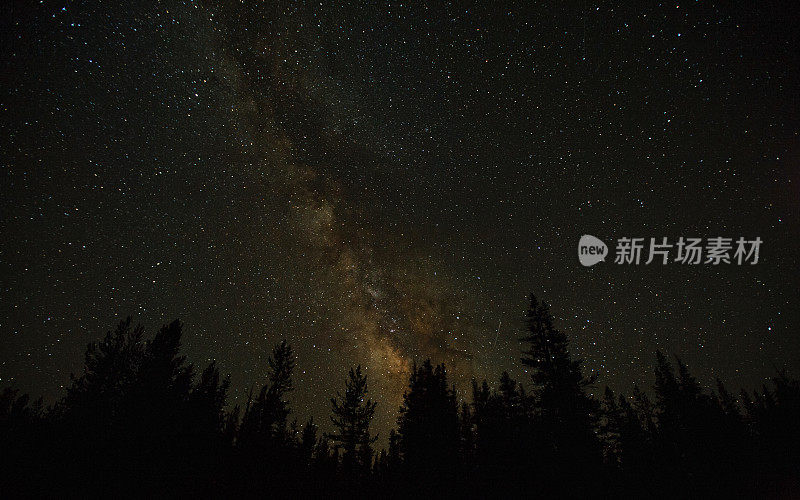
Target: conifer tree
<point x="265" y="419"/>
<point x="428" y="424"/>
<point x="308" y="441"/>
<point x="352" y="414"/>
<point x="566" y="416"/>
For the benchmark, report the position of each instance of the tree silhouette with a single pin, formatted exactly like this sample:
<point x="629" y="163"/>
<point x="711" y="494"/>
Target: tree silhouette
<point x="138" y="422"/>
<point x="429" y="437"/>
<point x="566" y="416"/>
<point x="308" y="442"/>
<point x="264" y="423"/>
<point x="352" y="414"/>
<point x="266" y="448"/>
<point x="110" y="370"/>
<point x="137" y="416"/>
<point x="503" y="432"/>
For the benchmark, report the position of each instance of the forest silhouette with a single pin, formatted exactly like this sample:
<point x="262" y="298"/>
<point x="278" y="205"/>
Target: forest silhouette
<point x="139" y="421"/>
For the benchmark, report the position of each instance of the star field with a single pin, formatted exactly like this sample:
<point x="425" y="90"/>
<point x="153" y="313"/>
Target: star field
<point x="380" y="184"/>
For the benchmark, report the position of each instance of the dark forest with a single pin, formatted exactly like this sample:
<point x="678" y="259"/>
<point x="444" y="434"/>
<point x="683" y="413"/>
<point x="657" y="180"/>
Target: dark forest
<point x="143" y="420"/>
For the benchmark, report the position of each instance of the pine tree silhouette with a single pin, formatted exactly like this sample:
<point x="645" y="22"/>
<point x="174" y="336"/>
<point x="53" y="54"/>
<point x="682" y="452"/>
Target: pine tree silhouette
<point x="429" y="427"/>
<point x="566" y="416"/>
<point x="772" y="415"/>
<point x="352" y="414"/>
<point x="138" y="422"/>
<point x="264" y="423"/>
<point x="308" y="442"/>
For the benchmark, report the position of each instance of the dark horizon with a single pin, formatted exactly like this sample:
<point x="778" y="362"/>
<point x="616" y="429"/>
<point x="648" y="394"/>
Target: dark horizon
<point x="141" y="419"/>
<point x="52" y="396"/>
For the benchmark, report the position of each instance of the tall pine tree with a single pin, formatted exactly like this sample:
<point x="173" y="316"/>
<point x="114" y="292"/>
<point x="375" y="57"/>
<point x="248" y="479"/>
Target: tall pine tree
<point x="565" y="415"/>
<point x="429" y="426"/>
<point x="352" y="414"/>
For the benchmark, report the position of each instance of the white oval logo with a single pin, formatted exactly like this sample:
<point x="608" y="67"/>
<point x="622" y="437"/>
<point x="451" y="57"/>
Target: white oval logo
<point x="591" y="250"/>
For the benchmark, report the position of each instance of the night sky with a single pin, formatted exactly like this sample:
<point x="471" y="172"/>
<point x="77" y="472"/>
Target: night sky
<point x="388" y="183"/>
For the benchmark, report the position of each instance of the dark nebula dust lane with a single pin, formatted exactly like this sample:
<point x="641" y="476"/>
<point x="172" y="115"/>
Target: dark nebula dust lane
<point x="384" y="184"/>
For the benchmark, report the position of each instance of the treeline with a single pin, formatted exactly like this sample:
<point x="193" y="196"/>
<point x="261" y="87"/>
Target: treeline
<point x="139" y="421"/>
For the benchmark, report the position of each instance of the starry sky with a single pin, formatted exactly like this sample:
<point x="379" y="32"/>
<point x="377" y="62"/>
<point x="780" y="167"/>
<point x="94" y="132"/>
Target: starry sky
<point x="380" y="184"/>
